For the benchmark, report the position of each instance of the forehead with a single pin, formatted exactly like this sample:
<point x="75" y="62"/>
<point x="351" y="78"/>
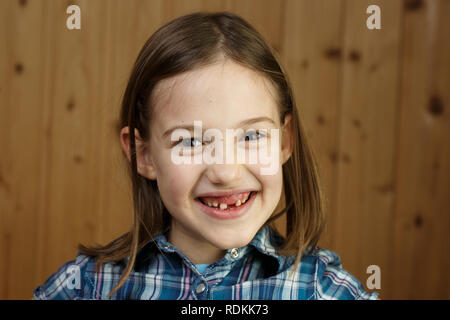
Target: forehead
<point x="217" y="94"/>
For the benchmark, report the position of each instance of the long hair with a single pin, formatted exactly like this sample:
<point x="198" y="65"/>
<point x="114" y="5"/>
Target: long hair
<point x="183" y="44"/>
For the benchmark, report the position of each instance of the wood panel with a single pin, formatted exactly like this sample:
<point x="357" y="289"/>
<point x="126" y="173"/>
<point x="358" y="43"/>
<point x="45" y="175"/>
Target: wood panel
<point x="367" y="129"/>
<point x="311" y="53"/>
<point x="21" y="92"/>
<point x="373" y="102"/>
<point x="420" y="251"/>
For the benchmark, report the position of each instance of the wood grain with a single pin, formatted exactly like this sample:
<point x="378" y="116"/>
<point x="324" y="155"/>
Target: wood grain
<point x="375" y="105"/>
<point x="420" y="254"/>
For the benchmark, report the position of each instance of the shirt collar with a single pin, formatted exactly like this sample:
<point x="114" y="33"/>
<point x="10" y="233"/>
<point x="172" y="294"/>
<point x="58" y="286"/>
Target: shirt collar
<point x="265" y="241"/>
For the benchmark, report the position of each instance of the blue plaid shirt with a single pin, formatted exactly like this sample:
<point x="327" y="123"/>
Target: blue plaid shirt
<point x="254" y="271"/>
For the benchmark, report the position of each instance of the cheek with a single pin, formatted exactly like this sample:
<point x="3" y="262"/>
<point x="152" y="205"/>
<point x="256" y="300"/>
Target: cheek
<point x="175" y="182"/>
<point x="266" y="154"/>
<point x="268" y="167"/>
<point x="271" y="184"/>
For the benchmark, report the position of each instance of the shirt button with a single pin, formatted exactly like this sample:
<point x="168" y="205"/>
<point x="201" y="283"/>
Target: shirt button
<point x="234" y="253"/>
<point x="200" y="288"/>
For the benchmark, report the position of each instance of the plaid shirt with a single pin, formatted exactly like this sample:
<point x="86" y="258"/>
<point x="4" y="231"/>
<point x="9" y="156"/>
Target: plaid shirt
<point x="254" y="271"/>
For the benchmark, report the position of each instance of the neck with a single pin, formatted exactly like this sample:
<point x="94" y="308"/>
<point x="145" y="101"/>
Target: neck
<point x="196" y="249"/>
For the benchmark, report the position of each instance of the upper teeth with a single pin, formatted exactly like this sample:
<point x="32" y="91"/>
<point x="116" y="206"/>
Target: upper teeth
<point x="223" y="206"/>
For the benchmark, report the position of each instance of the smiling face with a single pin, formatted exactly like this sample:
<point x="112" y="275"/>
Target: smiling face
<point x="222" y="96"/>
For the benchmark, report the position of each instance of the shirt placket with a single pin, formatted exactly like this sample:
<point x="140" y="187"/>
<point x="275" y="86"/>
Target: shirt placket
<point x="201" y="286"/>
<point x="220" y="270"/>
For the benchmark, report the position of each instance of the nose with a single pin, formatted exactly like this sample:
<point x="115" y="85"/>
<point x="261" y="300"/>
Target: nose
<point x="223" y="173"/>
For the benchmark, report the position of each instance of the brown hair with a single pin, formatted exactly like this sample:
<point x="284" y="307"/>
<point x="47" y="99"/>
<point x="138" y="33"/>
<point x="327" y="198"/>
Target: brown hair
<point x="188" y="42"/>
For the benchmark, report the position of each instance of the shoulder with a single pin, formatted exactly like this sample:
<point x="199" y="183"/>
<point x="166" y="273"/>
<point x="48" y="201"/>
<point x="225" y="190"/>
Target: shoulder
<point x="68" y="282"/>
<point x="331" y="281"/>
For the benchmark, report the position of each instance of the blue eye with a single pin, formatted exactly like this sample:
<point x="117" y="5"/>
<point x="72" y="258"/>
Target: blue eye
<point x="190" y="142"/>
<point x="253" y="135"/>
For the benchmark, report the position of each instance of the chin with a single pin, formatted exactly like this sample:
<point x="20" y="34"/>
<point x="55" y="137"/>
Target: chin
<point x="233" y="240"/>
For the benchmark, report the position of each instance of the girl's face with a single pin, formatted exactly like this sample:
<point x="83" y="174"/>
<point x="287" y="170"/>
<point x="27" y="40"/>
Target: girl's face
<point x="222" y="96"/>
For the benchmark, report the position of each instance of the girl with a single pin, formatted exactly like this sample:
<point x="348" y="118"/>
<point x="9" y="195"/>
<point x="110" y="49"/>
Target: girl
<point x="202" y="230"/>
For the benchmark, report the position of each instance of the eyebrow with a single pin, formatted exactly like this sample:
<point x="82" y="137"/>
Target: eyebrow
<point x="240" y="124"/>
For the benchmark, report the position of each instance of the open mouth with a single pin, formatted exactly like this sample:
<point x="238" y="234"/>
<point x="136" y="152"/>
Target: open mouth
<point x="226" y="207"/>
<point x="227" y="203"/>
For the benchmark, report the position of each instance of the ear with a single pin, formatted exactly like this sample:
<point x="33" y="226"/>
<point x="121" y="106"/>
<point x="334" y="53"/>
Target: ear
<point x="144" y="162"/>
<point x="287" y="138"/>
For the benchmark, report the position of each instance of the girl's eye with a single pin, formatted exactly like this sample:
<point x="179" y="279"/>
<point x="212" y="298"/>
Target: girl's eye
<point x="190" y="142"/>
<point x="253" y="135"/>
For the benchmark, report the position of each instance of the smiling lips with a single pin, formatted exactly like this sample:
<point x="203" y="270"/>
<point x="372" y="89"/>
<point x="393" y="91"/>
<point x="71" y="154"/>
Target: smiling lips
<point x="224" y="202"/>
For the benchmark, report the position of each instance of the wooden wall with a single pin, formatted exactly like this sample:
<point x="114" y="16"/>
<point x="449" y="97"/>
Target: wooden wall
<point x="375" y="104"/>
